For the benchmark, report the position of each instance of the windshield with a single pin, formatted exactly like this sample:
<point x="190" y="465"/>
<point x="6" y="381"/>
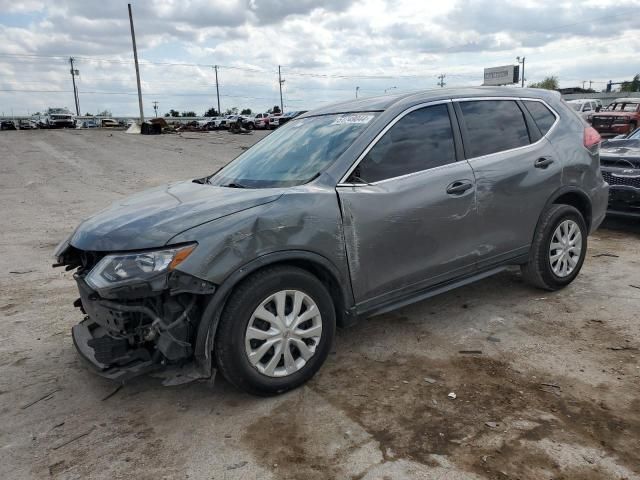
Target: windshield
<point x="576" y="106"/>
<point x="623" y="107"/>
<point x="294" y="154"/>
<point x="635" y="135"/>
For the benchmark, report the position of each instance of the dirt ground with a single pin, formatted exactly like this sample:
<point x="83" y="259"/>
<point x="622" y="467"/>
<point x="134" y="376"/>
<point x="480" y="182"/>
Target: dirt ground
<point x="554" y="392"/>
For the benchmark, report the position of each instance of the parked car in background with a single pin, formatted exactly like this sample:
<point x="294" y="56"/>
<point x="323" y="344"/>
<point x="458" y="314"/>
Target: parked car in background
<point x="220" y="122"/>
<point x="260" y="121"/>
<point x="57" y="118"/>
<point x="88" y="123"/>
<point x="109" y="123"/>
<point x="7" y="125"/>
<point x="620" y="165"/>
<point x="289" y="116"/>
<point x="621" y="117"/>
<point x="362" y="208"/>
<point x="27" y="125"/>
<point x="274" y="120"/>
<point x="586" y="107"/>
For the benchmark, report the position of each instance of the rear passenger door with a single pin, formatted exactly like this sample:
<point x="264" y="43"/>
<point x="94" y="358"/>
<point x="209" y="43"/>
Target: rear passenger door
<point x="515" y="168"/>
<point x="408" y="208"/>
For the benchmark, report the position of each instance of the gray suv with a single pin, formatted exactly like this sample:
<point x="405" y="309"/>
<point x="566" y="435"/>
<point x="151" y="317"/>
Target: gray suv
<point x="348" y="211"/>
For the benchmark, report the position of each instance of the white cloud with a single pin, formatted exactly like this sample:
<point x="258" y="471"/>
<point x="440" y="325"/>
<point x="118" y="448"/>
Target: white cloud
<point x="317" y="43"/>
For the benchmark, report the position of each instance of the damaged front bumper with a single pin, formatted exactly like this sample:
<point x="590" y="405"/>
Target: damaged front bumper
<point x="138" y="328"/>
<point x="98" y="349"/>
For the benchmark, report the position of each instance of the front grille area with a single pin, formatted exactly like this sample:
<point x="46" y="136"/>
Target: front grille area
<point x="617" y="162"/>
<point x="621" y="180"/>
<point x="602" y="121"/>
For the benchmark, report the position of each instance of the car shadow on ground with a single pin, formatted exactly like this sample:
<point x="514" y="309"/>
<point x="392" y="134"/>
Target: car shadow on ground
<point x="622" y="224"/>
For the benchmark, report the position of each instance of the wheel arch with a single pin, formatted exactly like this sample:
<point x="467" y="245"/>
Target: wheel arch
<point x="338" y="285"/>
<point x="575" y="197"/>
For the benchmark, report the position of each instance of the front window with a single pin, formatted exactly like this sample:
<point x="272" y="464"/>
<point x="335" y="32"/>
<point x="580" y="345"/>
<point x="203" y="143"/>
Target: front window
<point x="294" y="154"/>
<point x="575" y="106"/>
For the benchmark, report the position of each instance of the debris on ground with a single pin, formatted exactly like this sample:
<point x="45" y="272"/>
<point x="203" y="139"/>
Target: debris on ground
<point x="553" y="385"/>
<point x="44" y="397"/>
<point x="635" y="286"/>
<point x="471" y="352"/>
<point x="452" y="395"/>
<point x="606" y="255"/>
<point x="77" y="437"/>
<point x="22" y="272"/>
<point x="116" y="390"/>
<point x="492" y="424"/>
<point x="430" y="380"/>
<point x="236" y="465"/>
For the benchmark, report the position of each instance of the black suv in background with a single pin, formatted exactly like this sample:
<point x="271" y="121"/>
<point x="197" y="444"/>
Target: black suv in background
<point x="620" y="165"/>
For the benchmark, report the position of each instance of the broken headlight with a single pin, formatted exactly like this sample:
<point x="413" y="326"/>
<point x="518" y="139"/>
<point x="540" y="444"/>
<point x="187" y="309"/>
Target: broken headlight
<point x="124" y="268"/>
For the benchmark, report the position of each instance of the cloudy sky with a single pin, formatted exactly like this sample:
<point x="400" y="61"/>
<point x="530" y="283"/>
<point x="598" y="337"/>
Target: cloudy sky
<point x="326" y="49"/>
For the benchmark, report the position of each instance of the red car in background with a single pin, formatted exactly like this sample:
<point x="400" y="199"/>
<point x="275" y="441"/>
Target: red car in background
<point x="620" y="118"/>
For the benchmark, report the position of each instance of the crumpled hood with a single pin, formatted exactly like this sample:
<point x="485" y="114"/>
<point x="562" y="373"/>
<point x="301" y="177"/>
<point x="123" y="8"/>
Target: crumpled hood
<point x="151" y="218"/>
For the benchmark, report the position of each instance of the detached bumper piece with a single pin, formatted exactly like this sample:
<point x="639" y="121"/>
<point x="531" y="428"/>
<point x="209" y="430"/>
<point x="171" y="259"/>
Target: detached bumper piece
<point x="110" y="357"/>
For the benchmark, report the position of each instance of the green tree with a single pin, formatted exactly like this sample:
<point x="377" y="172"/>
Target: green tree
<point x="632" y="86"/>
<point x="549" y="83"/>
<point x="212" y="112"/>
<point x="245" y="111"/>
<point x="105" y="113"/>
<point x="231" y="111"/>
<point x="173" y="113"/>
<point x="275" y="109"/>
<point x="190" y="113"/>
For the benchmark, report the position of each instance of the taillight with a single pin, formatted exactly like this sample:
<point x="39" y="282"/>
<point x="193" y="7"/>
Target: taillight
<point x="592" y="138"/>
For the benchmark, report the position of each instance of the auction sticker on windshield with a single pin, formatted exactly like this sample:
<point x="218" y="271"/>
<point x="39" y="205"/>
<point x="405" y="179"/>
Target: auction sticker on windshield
<point x="355" y="118"/>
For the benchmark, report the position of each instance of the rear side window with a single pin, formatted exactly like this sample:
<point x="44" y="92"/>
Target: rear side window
<point x="420" y="140"/>
<point x="493" y="126"/>
<point x="541" y="115"/>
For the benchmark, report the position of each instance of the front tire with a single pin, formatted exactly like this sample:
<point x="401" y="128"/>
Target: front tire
<point x="275" y="331"/>
<point x="558" y="249"/>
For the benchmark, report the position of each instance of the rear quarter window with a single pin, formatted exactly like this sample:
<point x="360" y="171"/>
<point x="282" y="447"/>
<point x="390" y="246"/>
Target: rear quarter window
<point x="493" y="126"/>
<point x="543" y="117"/>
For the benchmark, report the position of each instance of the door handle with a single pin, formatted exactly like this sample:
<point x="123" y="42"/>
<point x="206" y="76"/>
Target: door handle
<point x="543" y="162"/>
<point x="459" y="187"/>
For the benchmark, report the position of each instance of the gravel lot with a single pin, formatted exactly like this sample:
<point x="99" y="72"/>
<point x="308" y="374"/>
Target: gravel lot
<point x="554" y="393"/>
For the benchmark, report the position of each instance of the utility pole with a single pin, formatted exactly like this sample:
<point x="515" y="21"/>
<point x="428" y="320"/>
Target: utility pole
<point x="75" y="72"/>
<point x="441" y="77"/>
<point x="357" y="88"/>
<point x="522" y="62"/>
<point x="217" y="89"/>
<point x="583" y="82"/>
<point x="155" y="108"/>
<point x="280" y="81"/>
<point x="135" y="58"/>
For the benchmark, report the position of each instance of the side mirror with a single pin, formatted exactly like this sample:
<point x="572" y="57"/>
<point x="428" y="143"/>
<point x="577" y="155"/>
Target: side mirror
<point x="598" y="108"/>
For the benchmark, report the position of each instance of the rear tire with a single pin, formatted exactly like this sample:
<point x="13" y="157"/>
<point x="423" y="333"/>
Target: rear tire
<point x="243" y="363"/>
<point x="558" y="249"/>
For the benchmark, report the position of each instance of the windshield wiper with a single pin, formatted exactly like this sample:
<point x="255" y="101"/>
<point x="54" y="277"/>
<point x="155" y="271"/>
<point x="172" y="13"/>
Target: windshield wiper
<point x="234" y="185"/>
